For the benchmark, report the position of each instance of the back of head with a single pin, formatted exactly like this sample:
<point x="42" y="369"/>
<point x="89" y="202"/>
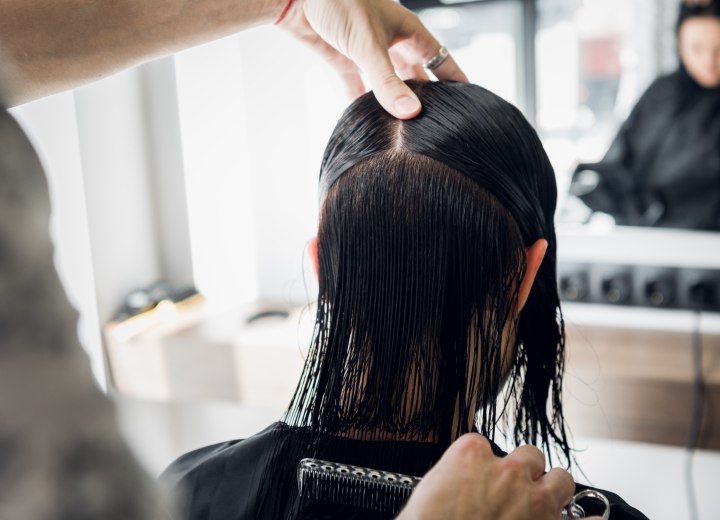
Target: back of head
<point x="421" y="247"/>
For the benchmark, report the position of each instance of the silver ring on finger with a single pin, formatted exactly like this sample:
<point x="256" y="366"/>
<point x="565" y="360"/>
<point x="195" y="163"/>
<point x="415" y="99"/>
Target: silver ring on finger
<point x="434" y="62"/>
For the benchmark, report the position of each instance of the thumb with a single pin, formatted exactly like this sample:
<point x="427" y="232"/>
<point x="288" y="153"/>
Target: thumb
<point x="391" y="92"/>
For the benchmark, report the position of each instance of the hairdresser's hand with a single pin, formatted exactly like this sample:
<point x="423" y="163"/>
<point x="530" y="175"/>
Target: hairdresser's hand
<point x="376" y="37"/>
<point x="470" y="482"/>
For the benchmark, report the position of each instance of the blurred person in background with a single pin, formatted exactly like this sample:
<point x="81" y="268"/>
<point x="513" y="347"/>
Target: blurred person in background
<point x="663" y="167"/>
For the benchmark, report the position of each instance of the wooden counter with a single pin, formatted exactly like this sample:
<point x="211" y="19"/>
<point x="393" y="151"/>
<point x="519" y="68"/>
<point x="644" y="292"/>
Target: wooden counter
<point x="637" y="385"/>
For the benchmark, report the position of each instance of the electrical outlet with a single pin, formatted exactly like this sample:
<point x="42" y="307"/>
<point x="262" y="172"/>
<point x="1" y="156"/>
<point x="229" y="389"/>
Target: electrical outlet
<point x="616" y="285"/>
<point x="640" y="285"/>
<point x="575" y="283"/>
<point x="657" y="287"/>
<point x="702" y="290"/>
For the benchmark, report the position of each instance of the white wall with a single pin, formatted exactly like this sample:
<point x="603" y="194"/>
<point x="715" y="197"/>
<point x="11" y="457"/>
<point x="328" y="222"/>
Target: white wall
<point x="256" y="111"/>
<point x="51" y="125"/>
<point x="287" y="139"/>
<point x="213" y="129"/>
<point x="117" y="184"/>
<point x="650" y="477"/>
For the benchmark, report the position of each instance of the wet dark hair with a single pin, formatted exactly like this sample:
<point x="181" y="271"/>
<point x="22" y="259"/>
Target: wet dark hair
<point x="421" y="248"/>
<point x="422" y="243"/>
<point x="687" y="11"/>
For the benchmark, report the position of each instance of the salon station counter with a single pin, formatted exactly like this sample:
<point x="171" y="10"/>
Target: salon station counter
<point x="632" y="380"/>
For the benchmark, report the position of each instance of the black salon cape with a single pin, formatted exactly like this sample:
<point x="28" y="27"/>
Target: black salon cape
<point x="221" y="482"/>
<point x="663" y="168"/>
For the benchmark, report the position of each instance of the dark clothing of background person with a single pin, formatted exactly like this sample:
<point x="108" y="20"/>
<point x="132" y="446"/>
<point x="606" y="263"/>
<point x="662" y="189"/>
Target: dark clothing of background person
<point x="61" y="455"/>
<point x="225" y="481"/>
<point x="663" y="168"/>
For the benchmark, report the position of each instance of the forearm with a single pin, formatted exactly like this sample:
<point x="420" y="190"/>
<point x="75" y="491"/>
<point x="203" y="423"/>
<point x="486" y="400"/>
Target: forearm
<point x="53" y="45"/>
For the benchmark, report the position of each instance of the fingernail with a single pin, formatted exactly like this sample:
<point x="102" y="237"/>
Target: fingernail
<point x="407" y="105"/>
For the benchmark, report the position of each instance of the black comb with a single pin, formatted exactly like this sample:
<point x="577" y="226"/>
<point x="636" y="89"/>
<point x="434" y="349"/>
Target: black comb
<point x="355" y="486"/>
<point x="384" y="491"/>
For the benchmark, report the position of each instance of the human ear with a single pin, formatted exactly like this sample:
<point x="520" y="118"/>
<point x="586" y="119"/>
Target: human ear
<point x="312" y="250"/>
<point x="533" y="256"/>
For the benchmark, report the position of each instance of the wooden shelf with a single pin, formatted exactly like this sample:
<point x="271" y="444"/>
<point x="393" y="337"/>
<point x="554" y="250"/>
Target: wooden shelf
<point x="638" y="385"/>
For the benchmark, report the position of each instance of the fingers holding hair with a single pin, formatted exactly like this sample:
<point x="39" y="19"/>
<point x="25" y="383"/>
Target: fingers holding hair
<point x="391" y="92"/>
<point x="411" y="46"/>
<point x="366" y="32"/>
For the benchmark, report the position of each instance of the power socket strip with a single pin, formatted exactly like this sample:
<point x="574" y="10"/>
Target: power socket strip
<point x="637" y="285"/>
<point x="644" y="267"/>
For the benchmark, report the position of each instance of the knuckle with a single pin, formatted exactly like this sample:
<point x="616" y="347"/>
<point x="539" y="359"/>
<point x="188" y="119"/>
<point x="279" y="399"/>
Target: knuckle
<point x="534" y="451"/>
<point x="414" y="25"/>
<point x="567" y="477"/>
<point x="473" y="446"/>
<point x="413" y="22"/>
<point x="512" y="467"/>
